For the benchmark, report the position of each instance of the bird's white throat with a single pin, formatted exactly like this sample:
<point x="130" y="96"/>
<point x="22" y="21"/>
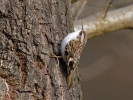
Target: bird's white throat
<point x="69" y="37"/>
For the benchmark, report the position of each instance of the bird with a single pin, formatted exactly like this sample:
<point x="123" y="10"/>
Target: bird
<point x="71" y="48"/>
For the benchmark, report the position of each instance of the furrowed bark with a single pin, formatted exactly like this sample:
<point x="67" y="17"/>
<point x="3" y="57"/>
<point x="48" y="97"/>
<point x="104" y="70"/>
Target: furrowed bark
<point x="30" y="31"/>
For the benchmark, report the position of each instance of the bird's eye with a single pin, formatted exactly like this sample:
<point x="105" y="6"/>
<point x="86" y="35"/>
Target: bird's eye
<point x="80" y="33"/>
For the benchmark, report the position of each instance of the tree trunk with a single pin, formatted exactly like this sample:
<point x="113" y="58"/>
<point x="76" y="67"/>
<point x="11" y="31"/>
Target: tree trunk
<point x="30" y="32"/>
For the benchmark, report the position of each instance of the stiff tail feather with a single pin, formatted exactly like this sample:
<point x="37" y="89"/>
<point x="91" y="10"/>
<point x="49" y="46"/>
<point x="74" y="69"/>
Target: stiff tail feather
<point x="70" y="79"/>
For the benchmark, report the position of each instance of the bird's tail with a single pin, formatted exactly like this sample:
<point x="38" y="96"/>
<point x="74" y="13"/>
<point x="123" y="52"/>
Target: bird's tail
<point x="70" y="79"/>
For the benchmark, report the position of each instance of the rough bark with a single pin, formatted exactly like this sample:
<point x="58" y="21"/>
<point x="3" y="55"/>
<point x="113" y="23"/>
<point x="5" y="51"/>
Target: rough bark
<point x="30" y="31"/>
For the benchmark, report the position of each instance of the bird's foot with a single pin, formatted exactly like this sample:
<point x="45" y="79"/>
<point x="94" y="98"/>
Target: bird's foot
<point x="56" y="57"/>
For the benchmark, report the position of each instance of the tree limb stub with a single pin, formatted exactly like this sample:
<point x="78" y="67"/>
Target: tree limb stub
<point x="115" y="20"/>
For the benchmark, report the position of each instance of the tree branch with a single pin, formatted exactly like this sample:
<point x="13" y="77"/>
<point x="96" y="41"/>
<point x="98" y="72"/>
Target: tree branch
<point x="115" y="20"/>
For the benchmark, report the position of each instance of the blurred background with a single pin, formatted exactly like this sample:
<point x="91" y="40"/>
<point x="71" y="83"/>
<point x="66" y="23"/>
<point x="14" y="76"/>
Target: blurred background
<point x="106" y="64"/>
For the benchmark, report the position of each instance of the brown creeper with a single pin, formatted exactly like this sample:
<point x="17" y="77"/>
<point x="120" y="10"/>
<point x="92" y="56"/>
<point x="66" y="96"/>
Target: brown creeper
<point x="71" y="49"/>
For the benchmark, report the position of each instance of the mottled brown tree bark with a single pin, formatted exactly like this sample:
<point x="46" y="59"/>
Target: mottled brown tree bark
<point x="30" y="31"/>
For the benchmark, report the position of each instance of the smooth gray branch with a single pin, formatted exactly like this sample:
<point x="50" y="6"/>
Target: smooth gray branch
<point x="115" y="20"/>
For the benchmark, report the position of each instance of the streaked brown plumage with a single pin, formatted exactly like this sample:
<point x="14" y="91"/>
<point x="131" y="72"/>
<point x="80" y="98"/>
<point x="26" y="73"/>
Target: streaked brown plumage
<point x="72" y="54"/>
